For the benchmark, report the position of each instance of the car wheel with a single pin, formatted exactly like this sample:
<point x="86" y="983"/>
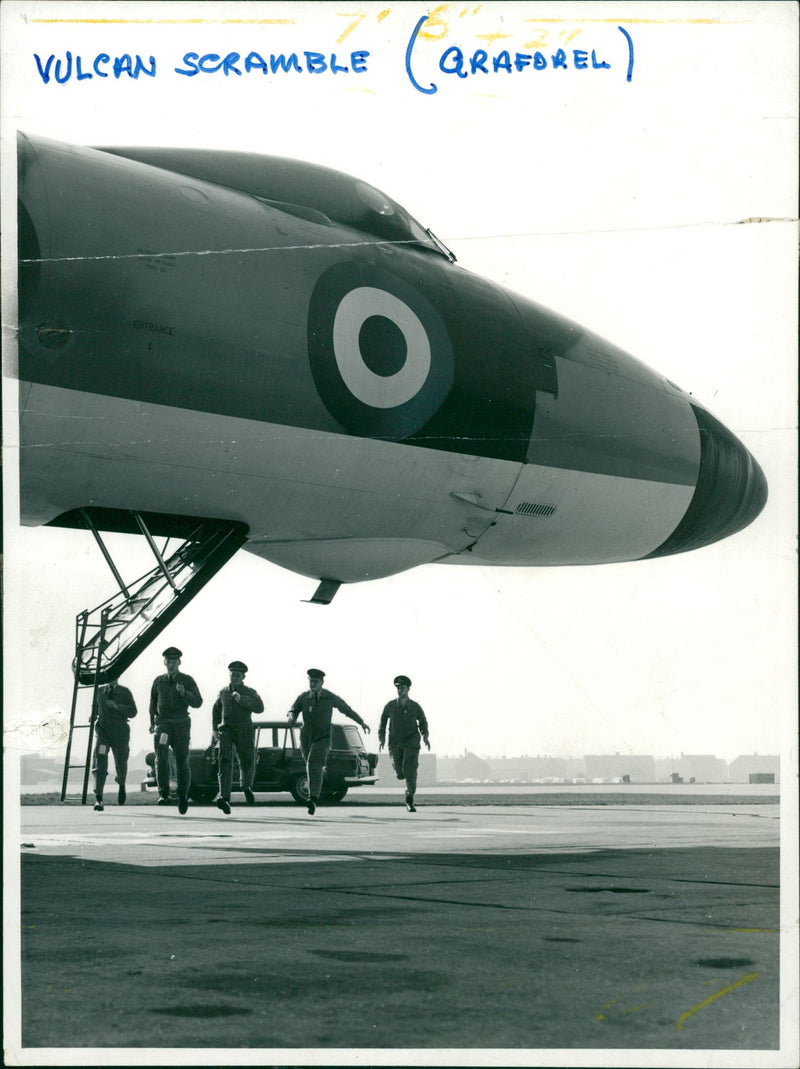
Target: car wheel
<point x="299" y="789"/>
<point x="334" y="794"/>
<point x="202" y="795"/>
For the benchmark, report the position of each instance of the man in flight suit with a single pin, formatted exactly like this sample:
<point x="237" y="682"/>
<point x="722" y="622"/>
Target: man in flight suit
<point x="406" y="722"/>
<point x="233" y="728"/>
<point x="316" y="706"/>
<point x="170" y="698"/>
<point x="115" y="707"/>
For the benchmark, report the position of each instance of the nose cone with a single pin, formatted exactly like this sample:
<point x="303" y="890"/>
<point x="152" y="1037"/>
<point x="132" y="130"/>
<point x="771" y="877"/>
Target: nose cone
<point x="731" y="490"/>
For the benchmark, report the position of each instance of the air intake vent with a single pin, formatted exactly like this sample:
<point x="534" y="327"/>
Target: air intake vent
<point x="532" y="508"/>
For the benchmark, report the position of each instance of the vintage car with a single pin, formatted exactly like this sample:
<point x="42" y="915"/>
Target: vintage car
<point x="280" y="765"/>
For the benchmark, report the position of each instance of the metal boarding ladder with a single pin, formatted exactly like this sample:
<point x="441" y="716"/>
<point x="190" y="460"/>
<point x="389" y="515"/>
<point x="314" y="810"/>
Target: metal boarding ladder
<point x="74" y="724"/>
<point x="111" y="636"/>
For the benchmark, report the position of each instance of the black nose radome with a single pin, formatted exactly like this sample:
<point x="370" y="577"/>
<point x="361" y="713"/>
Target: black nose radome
<point x="731" y="490"/>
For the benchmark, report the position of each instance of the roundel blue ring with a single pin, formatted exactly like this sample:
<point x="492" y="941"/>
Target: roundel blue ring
<point x="403" y="419"/>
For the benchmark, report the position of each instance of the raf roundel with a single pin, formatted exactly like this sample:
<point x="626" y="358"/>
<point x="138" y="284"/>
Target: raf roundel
<point x="380" y="353"/>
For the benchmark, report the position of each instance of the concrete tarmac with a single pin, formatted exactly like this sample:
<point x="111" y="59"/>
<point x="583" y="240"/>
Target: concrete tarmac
<point x="614" y="926"/>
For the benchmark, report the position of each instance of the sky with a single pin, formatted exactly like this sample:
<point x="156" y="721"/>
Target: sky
<point x="622" y="204"/>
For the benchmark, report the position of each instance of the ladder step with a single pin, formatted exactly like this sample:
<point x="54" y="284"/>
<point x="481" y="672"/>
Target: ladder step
<point x="110" y="637"/>
<point x="154" y="601"/>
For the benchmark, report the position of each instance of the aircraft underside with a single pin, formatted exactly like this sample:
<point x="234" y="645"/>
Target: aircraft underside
<point x="359" y="511"/>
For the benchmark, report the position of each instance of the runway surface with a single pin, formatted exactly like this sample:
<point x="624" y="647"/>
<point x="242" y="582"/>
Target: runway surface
<point x="518" y="927"/>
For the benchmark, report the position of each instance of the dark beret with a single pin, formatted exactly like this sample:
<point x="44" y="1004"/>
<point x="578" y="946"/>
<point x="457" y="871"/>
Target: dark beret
<point x="315" y="673"/>
<point x="237" y="666"/>
<point x="402" y="679"/>
<point x="172" y="651"/>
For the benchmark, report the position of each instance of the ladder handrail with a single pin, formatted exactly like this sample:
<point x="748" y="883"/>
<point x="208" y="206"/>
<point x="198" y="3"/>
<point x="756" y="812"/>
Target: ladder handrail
<point x="118" y="605"/>
<point x="142" y="581"/>
<point x="163" y="591"/>
<point x="88" y="521"/>
<point x="82" y="617"/>
<point x="154" y="599"/>
<point x="164" y="571"/>
<point x="81" y="620"/>
<point x="92" y="719"/>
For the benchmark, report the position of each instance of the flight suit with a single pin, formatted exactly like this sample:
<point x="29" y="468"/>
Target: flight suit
<point x="315" y="734"/>
<point x="112" y="732"/>
<point x="169" y="715"/>
<point x="406" y="722"/>
<point x="230" y="721"/>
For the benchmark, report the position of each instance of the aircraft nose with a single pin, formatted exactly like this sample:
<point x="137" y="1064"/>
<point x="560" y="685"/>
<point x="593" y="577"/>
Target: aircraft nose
<point x="731" y="490"/>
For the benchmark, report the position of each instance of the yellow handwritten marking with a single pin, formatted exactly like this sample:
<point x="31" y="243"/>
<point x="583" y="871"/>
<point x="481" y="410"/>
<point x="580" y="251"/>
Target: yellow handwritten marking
<point x="490" y="38"/>
<point x="434" y="19"/>
<point x="435" y="22"/>
<point x="601" y="1016"/>
<point x="711" y="998"/>
<point x="652" y="22"/>
<point x="632" y="1009"/>
<point x="357" y="17"/>
<point x="641" y="1006"/>
<point x="539" y="41"/>
<point x="171" y="22"/>
<point x="383" y="14"/>
<point x="745" y="929"/>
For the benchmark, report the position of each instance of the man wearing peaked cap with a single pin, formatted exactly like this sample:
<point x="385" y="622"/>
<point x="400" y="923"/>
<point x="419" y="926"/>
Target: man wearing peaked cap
<point x="406" y="722"/>
<point x="115" y="707"/>
<point x="316" y="706"/>
<point x="170" y="697"/>
<point x="233" y="729"/>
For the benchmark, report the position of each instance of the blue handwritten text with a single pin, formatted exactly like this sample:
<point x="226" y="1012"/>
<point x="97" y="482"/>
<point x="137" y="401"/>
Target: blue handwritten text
<point x="125" y="64"/>
<point x="453" y="61"/>
<point x="315" y="63"/>
<point x="464" y="64"/>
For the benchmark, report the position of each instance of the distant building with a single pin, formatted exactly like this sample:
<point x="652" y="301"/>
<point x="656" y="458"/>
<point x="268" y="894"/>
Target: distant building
<point x="426" y="773"/>
<point x="700" y="768"/>
<point x="574" y="768"/>
<point x="35" y="770"/>
<point x="631" y="768"/>
<point x="445" y="769"/>
<point x="528" y="768"/>
<point x="472" y="767"/>
<point x="743" y="767"/>
<point x="639" y="768"/>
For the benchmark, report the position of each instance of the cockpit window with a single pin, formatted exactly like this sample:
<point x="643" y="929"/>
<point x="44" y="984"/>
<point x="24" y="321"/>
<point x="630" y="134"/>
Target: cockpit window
<point x="374" y="199"/>
<point x="395" y="221"/>
<point x="422" y="235"/>
<point x="440" y="245"/>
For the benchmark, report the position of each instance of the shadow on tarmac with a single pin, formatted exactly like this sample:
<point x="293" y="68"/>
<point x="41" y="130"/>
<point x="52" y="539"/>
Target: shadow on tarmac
<point x="611" y="948"/>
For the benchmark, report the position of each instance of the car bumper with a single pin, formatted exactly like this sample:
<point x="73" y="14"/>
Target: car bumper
<point x="359" y="781"/>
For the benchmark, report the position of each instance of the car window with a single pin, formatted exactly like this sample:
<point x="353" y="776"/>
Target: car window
<point x="346" y="737"/>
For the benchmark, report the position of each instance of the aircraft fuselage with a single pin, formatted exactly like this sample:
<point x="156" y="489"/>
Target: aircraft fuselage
<point x="261" y="340"/>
